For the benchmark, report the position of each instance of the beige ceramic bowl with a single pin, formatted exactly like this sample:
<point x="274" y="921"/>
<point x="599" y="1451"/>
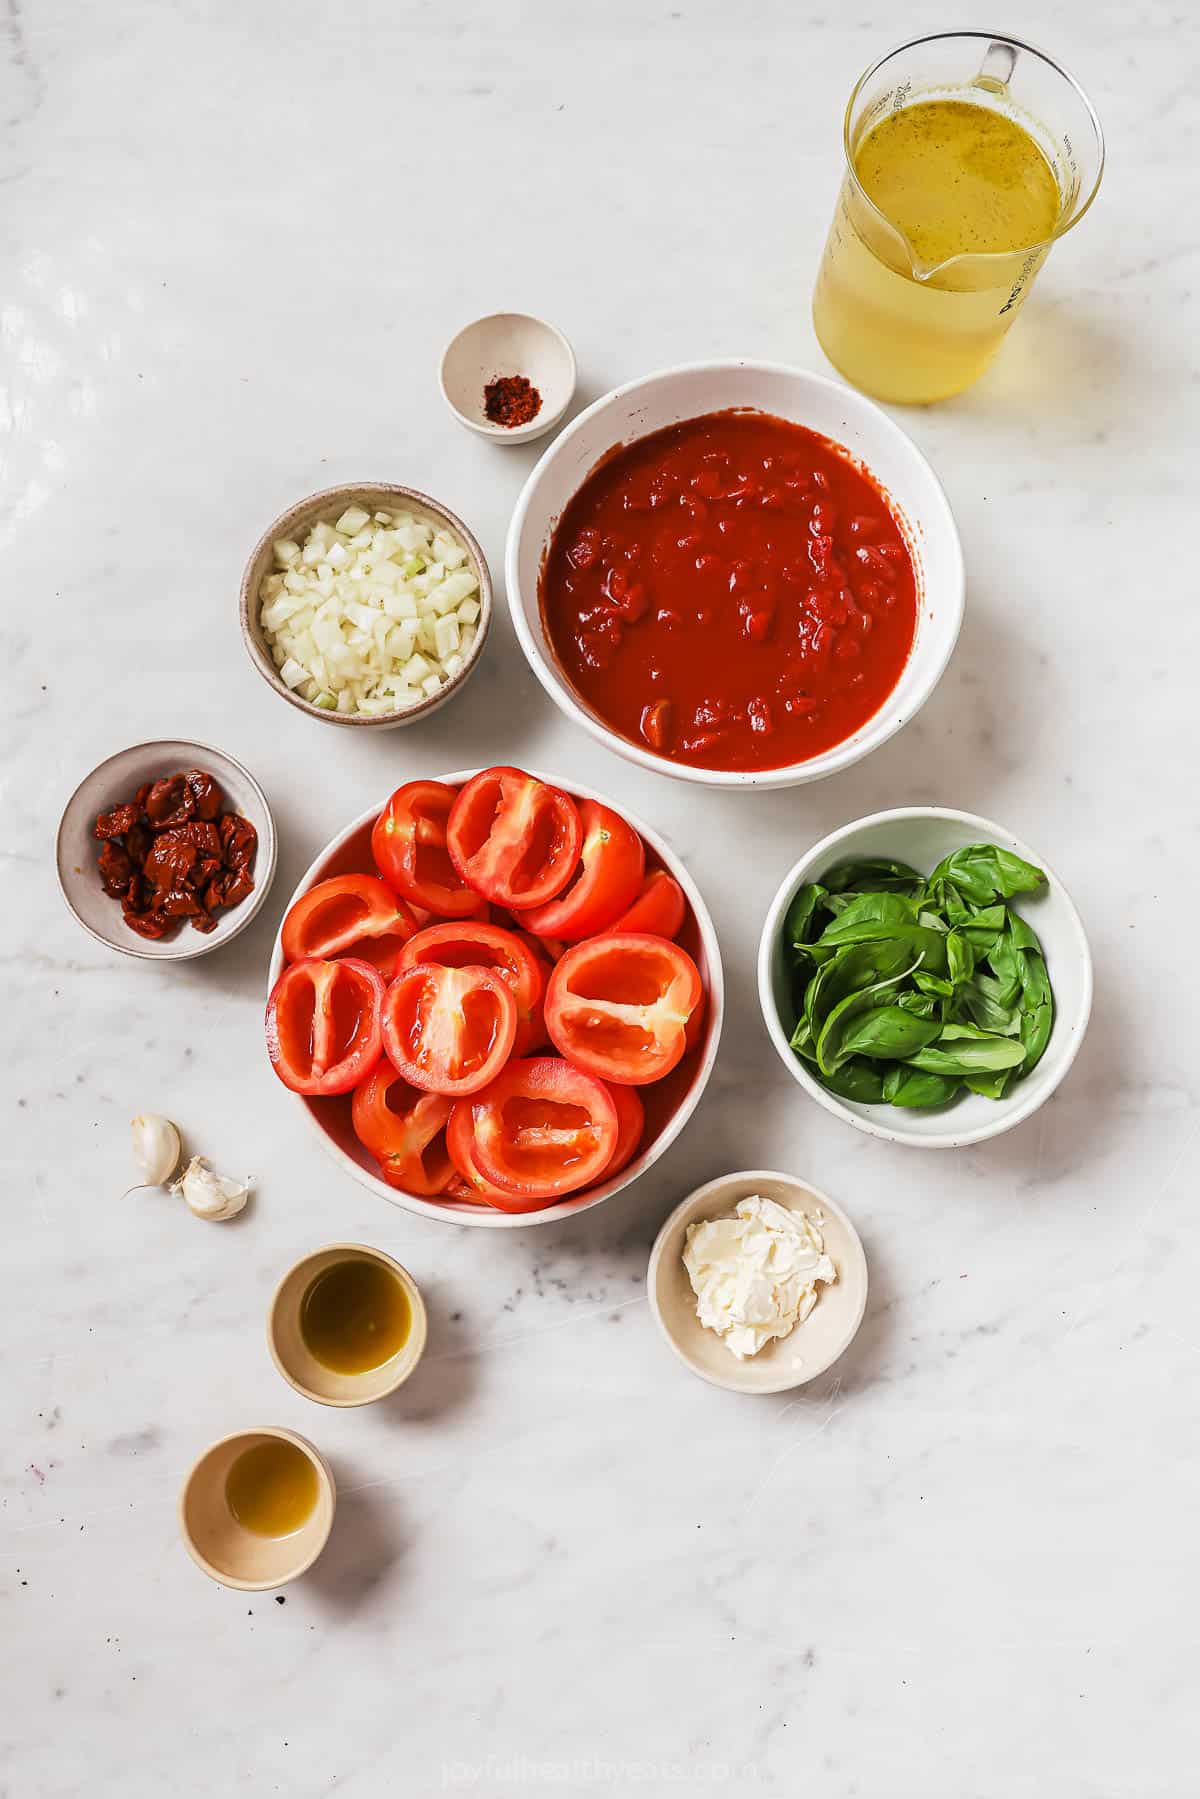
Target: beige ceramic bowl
<point x="508" y="343"/>
<point x="118" y="778"/>
<point x="291" y="1355"/>
<point x="225" y="1549"/>
<point x="329" y="504"/>
<point x="813" y="1345"/>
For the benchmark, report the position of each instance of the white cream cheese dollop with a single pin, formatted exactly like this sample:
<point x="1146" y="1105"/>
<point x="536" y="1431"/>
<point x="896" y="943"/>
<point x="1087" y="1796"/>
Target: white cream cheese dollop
<point x="755" y="1273"/>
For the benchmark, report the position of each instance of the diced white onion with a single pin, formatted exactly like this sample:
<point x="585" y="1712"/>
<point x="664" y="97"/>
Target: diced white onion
<point x="372" y="614"/>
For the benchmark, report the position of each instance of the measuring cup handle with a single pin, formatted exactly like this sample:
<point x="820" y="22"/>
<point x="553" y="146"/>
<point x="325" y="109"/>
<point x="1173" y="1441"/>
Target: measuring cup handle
<point x="997" y="66"/>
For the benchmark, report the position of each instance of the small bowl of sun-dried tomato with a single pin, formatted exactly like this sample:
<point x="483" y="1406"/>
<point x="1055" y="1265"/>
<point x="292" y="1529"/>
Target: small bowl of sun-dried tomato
<point x="166" y="850"/>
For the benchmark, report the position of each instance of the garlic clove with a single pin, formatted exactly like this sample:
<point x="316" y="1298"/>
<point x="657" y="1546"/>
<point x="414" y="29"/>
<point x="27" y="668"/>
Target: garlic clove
<point x="210" y="1195"/>
<point x="156" y="1148"/>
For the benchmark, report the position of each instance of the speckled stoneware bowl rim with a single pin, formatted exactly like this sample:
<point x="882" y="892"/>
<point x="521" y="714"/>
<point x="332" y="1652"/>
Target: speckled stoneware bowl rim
<point x="889" y="717"/>
<point x="407" y="1357"/>
<point x="546" y="420"/>
<point x="485" y="1217"/>
<point x="189" y="944"/>
<point x="713" y="1200"/>
<point x="325" y="1480"/>
<point x="1010" y="1111"/>
<point x="375" y="496"/>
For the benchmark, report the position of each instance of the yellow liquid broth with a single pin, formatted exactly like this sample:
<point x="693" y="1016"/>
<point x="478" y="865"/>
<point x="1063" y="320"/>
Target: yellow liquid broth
<point x="955" y="177"/>
<point x="272" y="1488"/>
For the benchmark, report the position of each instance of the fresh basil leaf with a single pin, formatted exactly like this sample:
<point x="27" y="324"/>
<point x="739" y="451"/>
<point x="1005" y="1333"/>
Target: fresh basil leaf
<point x="1003" y="983"/>
<point x="874" y="874"/>
<point x="830" y="1054"/>
<point x="987" y="1011"/>
<point x="960" y="957"/>
<point x="917" y="1089"/>
<point x="1022" y="934"/>
<point x="983" y="872"/>
<point x="857" y="1081"/>
<point x="963" y="1049"/>
<point x="858" y="966"/>
<point x="801" y="924"/>
<point x="887" y="1033"/>
<point x="924" y="1005"/>
<point x="801" y="1040"/>
<point x="934" y="984"/>
<point x="991" y="1086"/>
<point x="921" y="945"/>
<point x="1037" y="1009"/>
<point x="888" y="910"/>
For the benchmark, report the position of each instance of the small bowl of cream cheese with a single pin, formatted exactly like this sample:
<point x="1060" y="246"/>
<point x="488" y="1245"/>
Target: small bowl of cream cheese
<point x="758" y="1281"/>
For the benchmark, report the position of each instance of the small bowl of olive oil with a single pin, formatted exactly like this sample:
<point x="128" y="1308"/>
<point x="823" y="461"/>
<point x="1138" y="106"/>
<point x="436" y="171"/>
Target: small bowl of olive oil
<point x="257" y="1508"/>
<point x="347" y="1325"/>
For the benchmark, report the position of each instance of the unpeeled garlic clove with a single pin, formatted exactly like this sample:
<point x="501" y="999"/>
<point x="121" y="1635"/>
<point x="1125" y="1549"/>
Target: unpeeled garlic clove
<point x="156" y="1148"/>
<point x="209" y="1194"/>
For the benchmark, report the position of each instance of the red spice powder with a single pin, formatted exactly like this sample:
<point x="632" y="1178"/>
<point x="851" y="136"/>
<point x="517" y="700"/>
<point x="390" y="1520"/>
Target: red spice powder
<point x="511" y="400"/>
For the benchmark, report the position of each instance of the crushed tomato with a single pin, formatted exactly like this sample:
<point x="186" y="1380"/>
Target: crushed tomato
<point x="733" y="592"/>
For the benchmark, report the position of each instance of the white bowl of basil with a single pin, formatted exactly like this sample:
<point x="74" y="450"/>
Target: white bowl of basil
<point x="925" y="976"/>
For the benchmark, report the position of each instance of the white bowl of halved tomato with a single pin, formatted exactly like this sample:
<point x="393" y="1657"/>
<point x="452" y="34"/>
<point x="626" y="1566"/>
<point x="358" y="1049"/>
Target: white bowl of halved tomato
<point x="737" y="573"/>
<point x="498" y="1000"/>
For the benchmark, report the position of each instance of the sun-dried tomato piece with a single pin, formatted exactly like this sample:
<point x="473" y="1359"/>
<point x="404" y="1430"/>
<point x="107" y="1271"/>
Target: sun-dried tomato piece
<point x="134" y="899"/>
<point x="171" y="860"/>
<point x="138" y="839"/>
<point x="170" y="802"/>
<point x="149" y="924"/>
<point x="180" y="902"/>
<point x="116" y="870"/>
<point x="239" y="840"/>
<point x="238" y="886"/>
<point x="206" y="837"/>
<point x="207" y="794"/>
<point x="204" y="921"/>
<point x="115" y="823"/>
<point x="142" y="795"/>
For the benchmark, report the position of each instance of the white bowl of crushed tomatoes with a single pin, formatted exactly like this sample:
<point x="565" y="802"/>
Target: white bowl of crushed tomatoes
<point x="485" y="1062"/>
<point x="736" y="573"/>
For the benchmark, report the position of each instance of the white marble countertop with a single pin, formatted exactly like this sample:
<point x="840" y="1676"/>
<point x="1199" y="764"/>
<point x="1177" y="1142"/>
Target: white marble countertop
<point x="963" y="1563"/>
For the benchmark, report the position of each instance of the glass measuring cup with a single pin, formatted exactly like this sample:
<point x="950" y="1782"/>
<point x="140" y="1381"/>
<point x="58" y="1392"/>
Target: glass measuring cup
<point x="908" y="331"/>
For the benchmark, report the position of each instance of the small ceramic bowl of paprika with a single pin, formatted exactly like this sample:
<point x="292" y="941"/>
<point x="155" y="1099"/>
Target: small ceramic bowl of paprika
<point x="509" y="377"/>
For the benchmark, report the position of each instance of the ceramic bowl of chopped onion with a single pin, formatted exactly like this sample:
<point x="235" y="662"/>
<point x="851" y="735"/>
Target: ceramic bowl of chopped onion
<point x="366" y="605"/>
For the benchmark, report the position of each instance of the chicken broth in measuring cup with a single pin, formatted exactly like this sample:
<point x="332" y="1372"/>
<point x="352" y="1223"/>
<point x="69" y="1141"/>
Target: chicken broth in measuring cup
<point x="955" y="191"/>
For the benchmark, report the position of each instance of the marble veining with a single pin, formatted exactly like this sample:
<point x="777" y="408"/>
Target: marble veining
<point x="961" y="1565"/>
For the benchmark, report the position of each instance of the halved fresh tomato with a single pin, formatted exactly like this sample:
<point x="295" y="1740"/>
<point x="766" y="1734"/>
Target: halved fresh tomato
<point x="449" y="1030"/>
<point x="612" y="861"/>
<point x="383" y="953"/>
<point x="402" y="1127"/>
<point x="546" y="949"/>
<point x="513" y="838"/>
<point x="323" y="1029"/>
<point x="631" y="1122"/>
<point x="334" y="915"/>
<point x="460" y="1141"/>
<point x="472" y="945"/>
<point x="542" y="1129"/>
<point x="408" y="843"/>
<point x="659" y="908"/>
<point x="620" y="1006"/>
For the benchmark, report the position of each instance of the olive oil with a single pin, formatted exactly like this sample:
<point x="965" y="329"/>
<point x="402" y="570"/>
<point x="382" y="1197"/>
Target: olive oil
<point x="272" y="1488"/>
<point x="950" y="213"/>
<point x="354" y="1316"/>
